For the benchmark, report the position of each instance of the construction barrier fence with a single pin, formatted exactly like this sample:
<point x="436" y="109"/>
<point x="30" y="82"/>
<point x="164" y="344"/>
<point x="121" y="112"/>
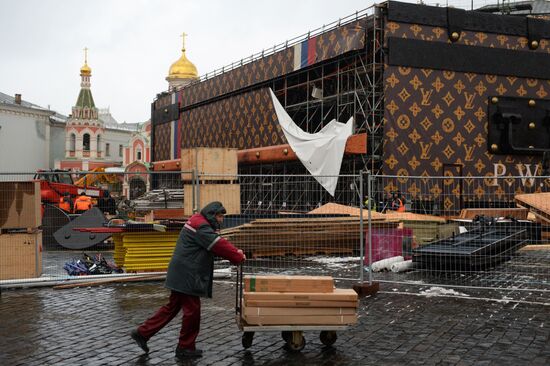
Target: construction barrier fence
<point x="477" y="232"/>
<point x="482" y="232"/>
<point x="83" y="226"/>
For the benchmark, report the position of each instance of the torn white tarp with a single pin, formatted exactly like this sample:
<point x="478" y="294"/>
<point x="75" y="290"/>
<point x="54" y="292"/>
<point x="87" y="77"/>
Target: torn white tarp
<point x="320" y="152"/>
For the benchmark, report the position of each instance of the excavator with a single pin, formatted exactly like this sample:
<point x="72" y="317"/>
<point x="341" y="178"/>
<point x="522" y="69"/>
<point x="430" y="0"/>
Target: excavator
<point x="59" y="192"/>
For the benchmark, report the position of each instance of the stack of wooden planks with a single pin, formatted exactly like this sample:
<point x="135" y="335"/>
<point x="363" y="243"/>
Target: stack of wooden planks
<point x="538" y="204"/>
<point x="297" y="300"/>
<point x="301" y="236"/>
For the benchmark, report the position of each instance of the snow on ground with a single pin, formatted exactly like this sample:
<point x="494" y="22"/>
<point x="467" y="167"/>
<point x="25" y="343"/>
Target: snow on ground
<point x="440" y="291"/>
<point x="335" y="262"/>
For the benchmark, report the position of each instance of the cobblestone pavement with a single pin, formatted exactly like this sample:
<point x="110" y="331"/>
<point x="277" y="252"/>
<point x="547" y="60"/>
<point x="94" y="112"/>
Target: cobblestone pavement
<point x="90" y="326"/>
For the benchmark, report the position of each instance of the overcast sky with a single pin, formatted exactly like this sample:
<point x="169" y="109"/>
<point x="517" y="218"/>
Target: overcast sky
<point x="132" y="43"/>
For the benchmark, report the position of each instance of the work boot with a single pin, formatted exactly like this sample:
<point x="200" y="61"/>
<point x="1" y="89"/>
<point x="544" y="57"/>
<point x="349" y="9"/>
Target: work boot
<point x="182" y="353"/>
<point x="140" y="340"/>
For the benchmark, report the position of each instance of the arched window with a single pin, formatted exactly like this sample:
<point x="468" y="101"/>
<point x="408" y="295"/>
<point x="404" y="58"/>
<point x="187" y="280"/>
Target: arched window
<point x="98" y="143"/>
<point x="72" y="142"/>
<point x="86" y="142"/>
<point x="138" y="154"/>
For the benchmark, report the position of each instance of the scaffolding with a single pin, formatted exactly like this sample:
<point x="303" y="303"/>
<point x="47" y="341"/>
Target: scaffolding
<point x="350" y="85"/>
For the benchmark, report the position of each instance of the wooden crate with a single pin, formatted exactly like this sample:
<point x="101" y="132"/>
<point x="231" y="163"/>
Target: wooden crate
<point x="205" y="160"/>
<point x="20" y="205"/>
<point x="427" y="231"/>
<point x="517" y="212"/>
<point x="228" y="194"/>
<point x="20" y="255"/>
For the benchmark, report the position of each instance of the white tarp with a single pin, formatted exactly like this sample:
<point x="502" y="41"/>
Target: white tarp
<point x="320" y="152"/>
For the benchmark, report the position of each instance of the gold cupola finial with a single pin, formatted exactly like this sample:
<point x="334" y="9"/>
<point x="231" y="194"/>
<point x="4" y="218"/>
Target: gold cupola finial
<point x="182" y="68"/>
<point x="85" y="70"/>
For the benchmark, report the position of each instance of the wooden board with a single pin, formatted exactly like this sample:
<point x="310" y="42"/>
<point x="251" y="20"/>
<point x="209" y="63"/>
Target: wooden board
<point x="168" y="213"/>
<point x="356" y="144"/>
<point x="20" y="255"/>
<point x="228" y="194"/>
<point x="425" y="232"/>
<point x="409" y="216"/>
<point x="335" y="208"/>
<point x="336" y="295"/>
<point x="538" y="203"/>
<point x="271" y="311"/>
<point x="278" y="283"/>
<point x="301" y="304"/>
<point x="518" y="213"/>
<point x="301" y="319"/>
<point x="20" y="205"/>
<point x="207" y="160"/>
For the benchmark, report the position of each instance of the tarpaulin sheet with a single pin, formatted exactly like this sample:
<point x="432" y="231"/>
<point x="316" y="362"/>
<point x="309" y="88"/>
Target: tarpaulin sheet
<point x="320" y="152"/>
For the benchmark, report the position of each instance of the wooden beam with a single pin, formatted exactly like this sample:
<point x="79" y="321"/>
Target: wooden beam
<point x="167" y="165"/>
<point x="356" y="144"/>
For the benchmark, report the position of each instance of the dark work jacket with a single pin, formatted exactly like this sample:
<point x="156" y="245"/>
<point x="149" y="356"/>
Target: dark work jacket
<point x="191" y="269"/>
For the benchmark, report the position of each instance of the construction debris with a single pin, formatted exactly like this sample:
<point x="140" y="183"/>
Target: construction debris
<point x="159" y="198"/>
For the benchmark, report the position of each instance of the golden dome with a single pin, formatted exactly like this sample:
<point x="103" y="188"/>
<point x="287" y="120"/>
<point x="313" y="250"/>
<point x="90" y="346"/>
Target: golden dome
<point x="85" y="69"/>
<point x="183" y="68"/>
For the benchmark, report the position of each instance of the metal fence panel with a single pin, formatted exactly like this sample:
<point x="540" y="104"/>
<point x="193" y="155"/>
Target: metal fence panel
<point x="483" y="232"/>
<point x="46" y="238"/>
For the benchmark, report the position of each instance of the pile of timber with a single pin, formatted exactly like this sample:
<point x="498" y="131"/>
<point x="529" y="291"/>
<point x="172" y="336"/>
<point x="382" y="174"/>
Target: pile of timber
<point x="336" y="208"/>
<point x="160" y="198"/>
<point x="297" y="300"/>
<point x="301" y="236"/>
<point x="538" y="204"/>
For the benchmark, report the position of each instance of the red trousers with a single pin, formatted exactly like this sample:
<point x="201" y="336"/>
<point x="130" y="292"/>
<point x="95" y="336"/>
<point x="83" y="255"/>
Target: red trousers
<point x="190" y="324"/>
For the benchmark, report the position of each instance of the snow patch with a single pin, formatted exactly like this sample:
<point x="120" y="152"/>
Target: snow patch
<point x="440" y="291"/>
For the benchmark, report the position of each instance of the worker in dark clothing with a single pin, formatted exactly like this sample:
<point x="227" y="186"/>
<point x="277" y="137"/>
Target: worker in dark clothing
<point x="190" y="277"/>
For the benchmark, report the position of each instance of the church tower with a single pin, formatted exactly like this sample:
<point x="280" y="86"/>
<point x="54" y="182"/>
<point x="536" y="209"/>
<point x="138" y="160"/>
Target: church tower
<point x="84" y="131"/>
<point x="182" y="72"/>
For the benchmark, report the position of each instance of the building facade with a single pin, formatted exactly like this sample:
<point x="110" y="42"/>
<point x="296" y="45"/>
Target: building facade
<point x="25" y="135"/>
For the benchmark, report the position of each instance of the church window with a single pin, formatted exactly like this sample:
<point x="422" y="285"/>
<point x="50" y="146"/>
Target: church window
<point x="107" y="149"/>
<point x="120" y="150"/>
<point x="72" y="142"/>
<point x="86" y="142"/>
<point x="138" y="154"/>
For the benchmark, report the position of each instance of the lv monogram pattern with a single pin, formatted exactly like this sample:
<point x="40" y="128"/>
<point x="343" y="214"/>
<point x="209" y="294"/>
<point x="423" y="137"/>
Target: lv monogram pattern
<point x="243" y="121"/>
<point x="161" y="142"/>
<point x="327" y="45"/>
<point x="436" y="120"/>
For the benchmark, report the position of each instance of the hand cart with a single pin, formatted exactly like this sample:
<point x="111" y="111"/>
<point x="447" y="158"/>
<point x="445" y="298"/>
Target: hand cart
<point x="291" y="334"/>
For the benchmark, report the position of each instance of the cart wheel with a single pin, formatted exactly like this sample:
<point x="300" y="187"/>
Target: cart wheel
<point x="328" y="337"/>
<point x="287" y="335"/>
<point x="296" y="342"/>
<point x="247" y="339"/>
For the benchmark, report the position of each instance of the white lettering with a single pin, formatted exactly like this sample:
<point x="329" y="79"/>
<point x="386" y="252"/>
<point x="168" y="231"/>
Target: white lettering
<point x="528" y="174"/>
<point x="499" y="171"/>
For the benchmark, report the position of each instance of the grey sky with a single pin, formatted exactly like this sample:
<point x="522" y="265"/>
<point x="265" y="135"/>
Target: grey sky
<point x="132" y="43"/>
